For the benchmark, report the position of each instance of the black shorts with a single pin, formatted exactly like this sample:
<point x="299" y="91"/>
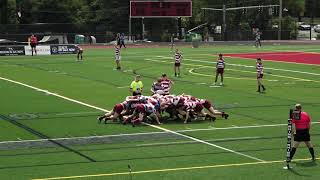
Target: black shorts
<point x="259" y="76"/>
<point x="135" y="94"/>
<point x="177" y="64"/>
<point x="302" y="135"/>
<point x="220" y="71"/>
<point x="33" y="45"/>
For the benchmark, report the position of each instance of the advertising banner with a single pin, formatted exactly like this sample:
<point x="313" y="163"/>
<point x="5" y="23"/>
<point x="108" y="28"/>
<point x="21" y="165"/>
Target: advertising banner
<point x="63" y="49"/>
<point x="41" y="50"/>
<point x="12" y="50"/>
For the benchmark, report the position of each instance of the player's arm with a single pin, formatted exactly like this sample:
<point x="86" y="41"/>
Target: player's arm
<point x="131" y="87"/>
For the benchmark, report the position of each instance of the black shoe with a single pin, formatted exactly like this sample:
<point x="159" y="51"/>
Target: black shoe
<point x="100" y="118"/>
<point x="313" y="159"/>
<point x="225" y="116"/>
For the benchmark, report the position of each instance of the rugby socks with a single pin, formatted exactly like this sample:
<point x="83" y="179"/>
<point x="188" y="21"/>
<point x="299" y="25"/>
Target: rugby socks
<point x="263" y="87"/>
<point x="258" y="88"/>
<point x="293" y="151"/>
<point x="312" y="152"/>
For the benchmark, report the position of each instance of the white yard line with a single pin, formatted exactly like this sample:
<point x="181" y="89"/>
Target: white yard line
<point x="205" y="142"/>
<point x="156" y="127"/>
<point x="186" y="142"/>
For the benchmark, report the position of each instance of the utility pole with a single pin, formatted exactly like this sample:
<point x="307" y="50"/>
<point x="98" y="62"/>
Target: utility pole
<point x="224" y="10"/>
<point x="280" y="20"/>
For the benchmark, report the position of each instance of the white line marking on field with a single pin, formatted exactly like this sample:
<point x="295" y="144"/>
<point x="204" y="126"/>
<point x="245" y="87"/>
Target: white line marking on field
<point x="186" y="142"/>
<point x="205" y="142"/>
<point x="121" y="87"/>
<point x="88" y="176"/>
<point x="202" y="66"/>
<point x="241" y="65"/>
<point x="157" y="127"/>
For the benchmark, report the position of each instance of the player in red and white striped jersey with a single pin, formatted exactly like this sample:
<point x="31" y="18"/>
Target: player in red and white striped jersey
<point x="220" y="69"/>
<point x="118" y="56"/>
<point x="259" y="68"/>
<point x="177" y="63"/>
<point x="166" y="84"/>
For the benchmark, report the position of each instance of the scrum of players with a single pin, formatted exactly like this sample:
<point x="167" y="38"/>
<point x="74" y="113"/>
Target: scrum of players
<point x="150" y="109"/>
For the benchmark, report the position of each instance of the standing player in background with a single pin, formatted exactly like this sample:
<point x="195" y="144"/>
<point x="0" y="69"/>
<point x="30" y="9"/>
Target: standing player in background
<point x="220" y="69"/>
<point x="122" y="40"/>
<point x="79" y="53"/>
<point x="166" y="84"/>
<point x="259" y="67"/>
<point x="33" y="44"/>
<point x="117" y="56"/>
<point x="258" y="39"/>
<point x="177" y="63"/>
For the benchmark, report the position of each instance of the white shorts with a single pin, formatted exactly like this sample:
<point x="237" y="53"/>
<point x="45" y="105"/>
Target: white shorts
<point x="118" y="58"/>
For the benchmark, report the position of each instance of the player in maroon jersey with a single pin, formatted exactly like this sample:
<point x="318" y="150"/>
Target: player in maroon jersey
<point x="220" y="69"/>
<point x="79" y="53"/>
<point x="114" y="114"/>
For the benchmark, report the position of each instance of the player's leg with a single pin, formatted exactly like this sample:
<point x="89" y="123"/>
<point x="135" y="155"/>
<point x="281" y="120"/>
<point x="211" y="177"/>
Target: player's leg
<point x="35" y="49"/>
<point x="100" y="118"/>
<point x="217" y="74"/>
<point x="175" y="70"/>
<point x="179" y="70"/>
<point x="78" y="56"/>
<point x="221" y="74"/>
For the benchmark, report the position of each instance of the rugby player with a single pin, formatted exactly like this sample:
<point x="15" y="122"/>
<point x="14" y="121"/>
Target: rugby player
<point x="220" y="69"/>
<point x="259" y="68"/>
<point x="157" y="88"/>
<point x="79" y="53"/>
<point x="166" y="84"/>
<point x="177" y="63"/>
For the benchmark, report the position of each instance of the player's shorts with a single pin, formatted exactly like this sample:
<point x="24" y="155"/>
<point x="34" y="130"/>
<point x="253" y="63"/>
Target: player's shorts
<point x="302" y="135"/>
<point x="80" y="51"/>
<point x="177" y="64"/>
<point x="33" y="45"/>
<point x="118" y="58"/>
<point x="260" y="76"/>
<point x="118" y="108"/>
<point x="207" y="104"/>
<point x="136" y="93"/>
<point x="220" y="70"/>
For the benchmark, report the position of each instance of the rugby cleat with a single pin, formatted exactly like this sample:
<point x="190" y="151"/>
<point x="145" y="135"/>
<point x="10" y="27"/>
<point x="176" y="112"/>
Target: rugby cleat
<point x="225" y="115"/>
<point x="100" y="118"/>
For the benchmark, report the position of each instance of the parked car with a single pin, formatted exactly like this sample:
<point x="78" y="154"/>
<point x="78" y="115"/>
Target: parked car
<point x="317" y="28"/>
<point x="304" y="27"/>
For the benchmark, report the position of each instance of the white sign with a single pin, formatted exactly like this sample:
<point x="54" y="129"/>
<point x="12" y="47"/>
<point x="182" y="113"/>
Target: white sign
<point x="41" y="50"/>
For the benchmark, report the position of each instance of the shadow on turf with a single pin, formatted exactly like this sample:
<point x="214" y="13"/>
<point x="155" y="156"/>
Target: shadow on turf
<point x="306" y="164"/>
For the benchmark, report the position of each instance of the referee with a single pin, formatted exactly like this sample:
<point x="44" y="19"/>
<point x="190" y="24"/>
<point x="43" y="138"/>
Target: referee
<point x="136" y="86"/>
<point x="302" y="127"/>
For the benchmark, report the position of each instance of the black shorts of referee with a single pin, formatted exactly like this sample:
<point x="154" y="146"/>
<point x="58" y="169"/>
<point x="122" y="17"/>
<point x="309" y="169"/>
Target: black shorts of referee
<point x="302" y="135"/>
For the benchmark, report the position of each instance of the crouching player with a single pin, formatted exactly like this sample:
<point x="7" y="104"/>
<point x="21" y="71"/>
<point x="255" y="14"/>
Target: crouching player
<point x="212" y="112"/>
<point x="114" y="114"/>
<point x="144" y="112"/>
<point x="79" y="53"/>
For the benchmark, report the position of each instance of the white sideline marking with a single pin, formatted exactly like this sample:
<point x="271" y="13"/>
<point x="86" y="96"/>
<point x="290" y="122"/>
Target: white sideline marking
<point x="184" y="142"/>
<point x="157" y="127"/>
<point x="205" y="142"/>
<point x="211" y="128"/>
<point x="241" y="65"/>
